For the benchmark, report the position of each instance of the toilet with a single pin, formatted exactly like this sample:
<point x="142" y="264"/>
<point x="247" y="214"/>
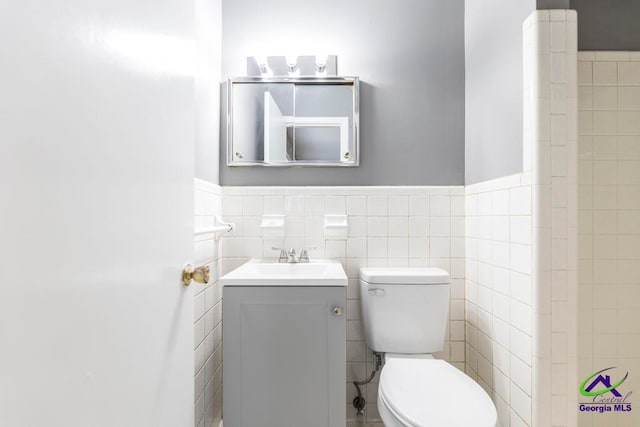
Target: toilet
<point x="405" y="312"/>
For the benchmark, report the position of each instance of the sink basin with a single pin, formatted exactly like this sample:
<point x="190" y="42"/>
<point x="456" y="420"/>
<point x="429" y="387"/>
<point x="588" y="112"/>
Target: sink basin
<point x="267" y="272"/>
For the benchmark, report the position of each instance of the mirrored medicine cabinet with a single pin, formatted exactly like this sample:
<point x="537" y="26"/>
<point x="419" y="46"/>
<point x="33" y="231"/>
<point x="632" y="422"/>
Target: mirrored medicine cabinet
<point x="284" y="121"/>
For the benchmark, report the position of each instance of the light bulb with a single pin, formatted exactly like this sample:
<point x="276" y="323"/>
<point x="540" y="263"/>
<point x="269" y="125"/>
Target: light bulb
<point x="292" y="60"/>
<point x="262" y="63"/>
<point x="292" y="63"/>
<point x="321" y="63"/>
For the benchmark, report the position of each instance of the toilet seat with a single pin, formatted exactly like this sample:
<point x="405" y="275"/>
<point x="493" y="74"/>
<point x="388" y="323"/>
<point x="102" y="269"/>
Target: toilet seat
<point x="419" y="391"/>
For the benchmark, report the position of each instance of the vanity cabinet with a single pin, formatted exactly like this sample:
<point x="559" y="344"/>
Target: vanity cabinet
<point x="284" y="356"/>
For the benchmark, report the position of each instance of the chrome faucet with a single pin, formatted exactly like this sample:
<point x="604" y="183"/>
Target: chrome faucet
<point x="291" y="257"/>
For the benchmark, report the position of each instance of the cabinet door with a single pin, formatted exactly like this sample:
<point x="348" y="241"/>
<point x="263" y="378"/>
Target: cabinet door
<point x="284" y="357"/>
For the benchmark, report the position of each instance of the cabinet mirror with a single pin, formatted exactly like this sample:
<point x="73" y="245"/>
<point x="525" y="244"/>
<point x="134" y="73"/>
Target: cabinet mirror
<point x="293" y="122"/>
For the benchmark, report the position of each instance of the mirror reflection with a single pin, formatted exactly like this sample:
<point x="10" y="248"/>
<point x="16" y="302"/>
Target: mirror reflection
<point x="312" y="122"/>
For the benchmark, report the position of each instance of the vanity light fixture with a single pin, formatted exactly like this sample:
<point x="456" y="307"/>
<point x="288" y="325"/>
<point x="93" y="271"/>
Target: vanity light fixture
<point x="292" y="65"/>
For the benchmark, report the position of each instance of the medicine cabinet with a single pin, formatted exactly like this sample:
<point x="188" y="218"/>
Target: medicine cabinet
<point x="285" y="121"/>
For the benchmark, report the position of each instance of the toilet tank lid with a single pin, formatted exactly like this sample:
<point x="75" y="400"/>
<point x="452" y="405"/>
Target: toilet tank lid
<point x="404" y="275"/>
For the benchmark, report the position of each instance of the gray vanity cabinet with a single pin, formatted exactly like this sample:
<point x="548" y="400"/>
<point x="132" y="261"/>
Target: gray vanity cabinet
<point x="284" y="356"/>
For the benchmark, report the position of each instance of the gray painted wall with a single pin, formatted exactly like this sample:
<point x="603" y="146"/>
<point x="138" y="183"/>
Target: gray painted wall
<point x="410" y="57"/>
<point x="608" y="25"/>
<point x="493" y="55"/>
<point x="553" y="4"/>
<point x="208" y="23"/>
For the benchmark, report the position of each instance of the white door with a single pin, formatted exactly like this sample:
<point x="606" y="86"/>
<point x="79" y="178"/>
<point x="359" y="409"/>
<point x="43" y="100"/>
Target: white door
<point x="96" y="213"/>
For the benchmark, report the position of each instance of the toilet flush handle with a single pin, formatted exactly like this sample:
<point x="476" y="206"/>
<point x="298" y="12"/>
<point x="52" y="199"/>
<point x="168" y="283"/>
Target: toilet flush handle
<point x="377" y="292"/>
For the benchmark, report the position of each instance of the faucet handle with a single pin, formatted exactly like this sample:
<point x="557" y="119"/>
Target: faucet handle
<point x="304" y="255"/>
<point x="283" y="254"/>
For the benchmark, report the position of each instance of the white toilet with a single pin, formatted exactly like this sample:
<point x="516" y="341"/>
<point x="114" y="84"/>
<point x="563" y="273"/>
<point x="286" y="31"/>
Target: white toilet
<point x="405" y="313"/>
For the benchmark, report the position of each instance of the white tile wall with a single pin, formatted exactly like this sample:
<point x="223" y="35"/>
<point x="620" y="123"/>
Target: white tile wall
<point x="550" y="137"/>
<point x="521" y="245"/>
<point x="499" y="293"/>
<point x="555" y="223"/>
<point x="207" y="310"/>
<point x="388" y="226"/>
<point x="609" y="220"/>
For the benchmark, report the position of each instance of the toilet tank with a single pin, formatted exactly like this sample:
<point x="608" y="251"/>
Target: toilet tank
<point x="404" y="310"/>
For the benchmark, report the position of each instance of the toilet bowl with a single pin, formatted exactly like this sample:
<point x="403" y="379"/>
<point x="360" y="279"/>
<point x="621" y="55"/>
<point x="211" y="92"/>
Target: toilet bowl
<point x="418" y="390"/>
<point x="405" y="313"/>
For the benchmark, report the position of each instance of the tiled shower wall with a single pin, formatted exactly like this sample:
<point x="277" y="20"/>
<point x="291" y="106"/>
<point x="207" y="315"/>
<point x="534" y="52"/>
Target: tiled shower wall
<point x="388" y="226"/>
<point x="609" y="222"/>
<point x="207" y="309"/>
<point x="499" y="294"/>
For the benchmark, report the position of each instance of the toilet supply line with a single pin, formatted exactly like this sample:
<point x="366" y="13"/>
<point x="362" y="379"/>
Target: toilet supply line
<point x="359" y="401"/>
